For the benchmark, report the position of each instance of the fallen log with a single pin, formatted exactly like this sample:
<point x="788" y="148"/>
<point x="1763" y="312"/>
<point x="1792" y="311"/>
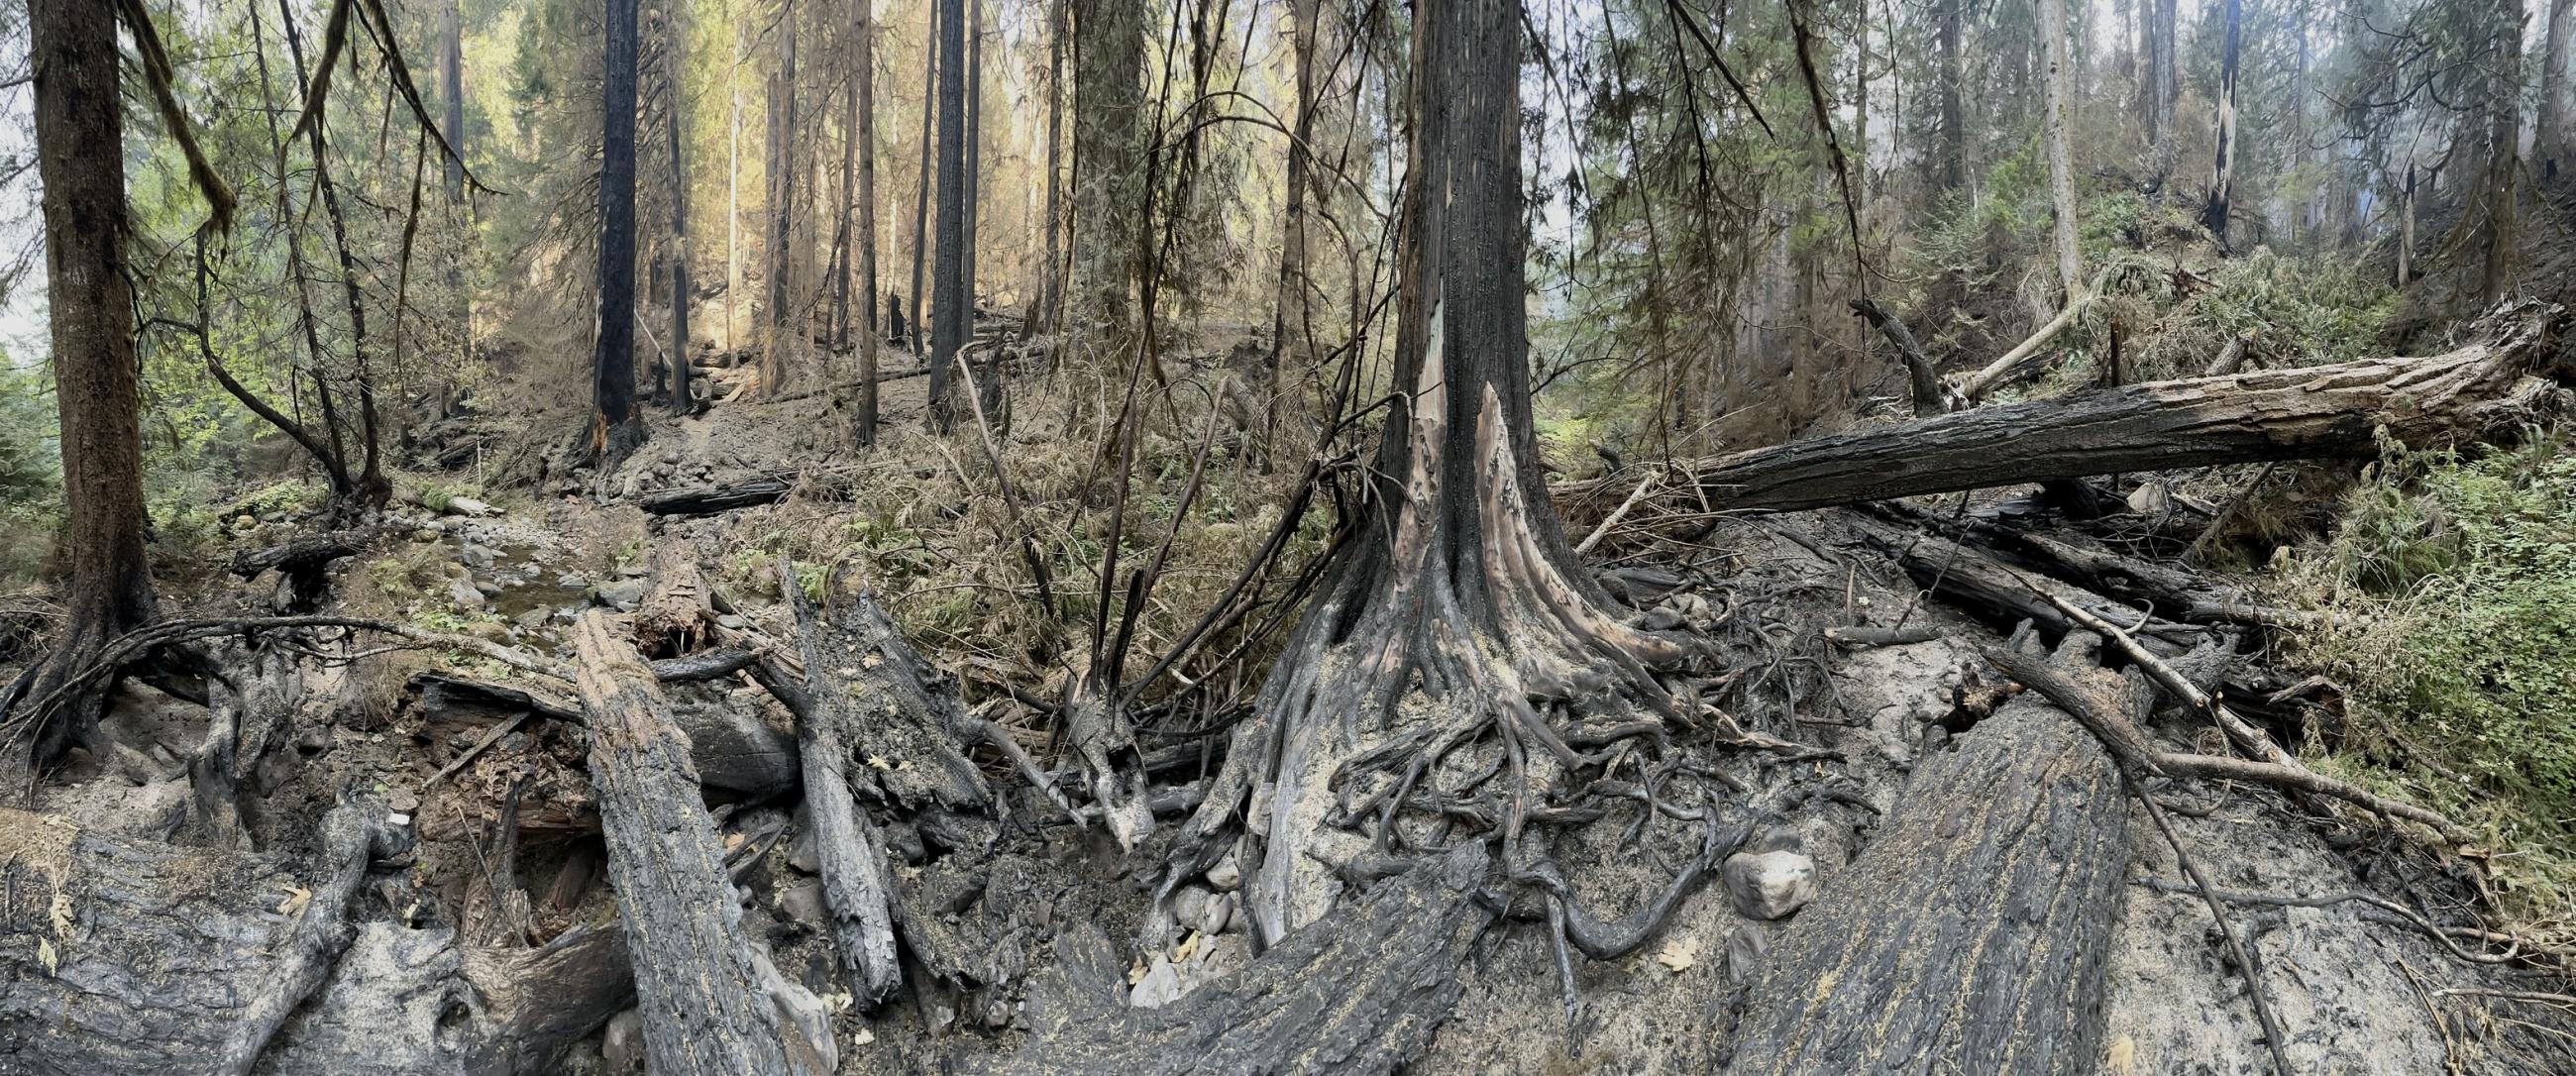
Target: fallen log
<point x="125" y="956"/>
<point x="706" y="1007"/>
<point x="1972" y="934"/>
<point x="847" y="849"/>
<point x="2484" y="391"/>
<point x="707" y="500"/>
<point x="731" y="748"/>
<point x="1359" y="991"/>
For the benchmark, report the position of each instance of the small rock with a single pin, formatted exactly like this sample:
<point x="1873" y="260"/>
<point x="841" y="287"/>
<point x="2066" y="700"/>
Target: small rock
<point x="1663" y="618"/>
<point x="1226" y="875"/>
<point x="465" y="594"/>
<point x="671" y="457"/>
<point x="425" y="534"/>
<point x="468" y="506"/>
<point x="1190" y="905"/>
<point x="1161" y="986"/>
<point x="623" y="594"/>
<point x="533" y="618"/>
<point x="1772" y="882"/>
<point x="621" y="1047"/>
<point x="313" y="741"/>
<point x="730" y="620"/>
<point x="572" y="581"/>
<point x="403" y="801"/>
<point x="1218" y="915"/>
<point x="801" y="853"/>
<point x="488" y="587"/>
<point x="803" y="903"/>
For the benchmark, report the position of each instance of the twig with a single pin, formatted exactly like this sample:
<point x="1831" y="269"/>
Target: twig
<point x="1616" y="514"/>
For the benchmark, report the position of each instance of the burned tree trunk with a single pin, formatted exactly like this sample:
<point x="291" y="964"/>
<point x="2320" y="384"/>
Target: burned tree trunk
<point x="614" y="431"/>
<point x="1464" y="584"/>
<point x="1971" y="936"/>
<point x="2222" y="173"/>
<point x="705" y="1009"/>
<point x="2480" y="392"/>
<point x="948" y="313"/>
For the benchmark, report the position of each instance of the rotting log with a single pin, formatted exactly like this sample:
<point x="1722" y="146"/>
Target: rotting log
<point x="398" y="1005"/>
<point x="1972" y="934"/>
<point x="1361" y="990"/>
<point x="2485" y="391"/>
<point x="849" y="853"/>
<point x="124" y="956"/>
<point x="706" y="1009"/>
<point x="731" y="747"/>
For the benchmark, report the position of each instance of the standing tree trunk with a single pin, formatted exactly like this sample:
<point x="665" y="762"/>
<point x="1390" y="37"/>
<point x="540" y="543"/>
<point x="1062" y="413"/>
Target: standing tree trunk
<point x="2061" y="166"/>
<point x="782" y="201"/>
<point x="948" y="306"/>
<point x="2222" y="180"/>
<point x="1291" y="318"/>
<point x="2160" y="27"/>
<point x="1109" y="171"/>
<point x="2503" y="71"/>
<point x="733" y="196"/>
<point x="451" y="84"/>
<point x="682" y="402"/>
<point x="613" y="429"/>
<point x="1954" y="127"/>
<point x="864" y="73"/>
<point x="80" y="158"/>
<point x="921" y="189"/>
<point x="2551" y="142"/>
<point x="1050" y="280"/>
<point x="1465" y="584"/>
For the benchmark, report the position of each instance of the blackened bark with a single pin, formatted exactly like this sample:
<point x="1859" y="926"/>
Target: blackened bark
<point x="2484" y="391"/>
<point x="613" y="429"/>
<point x="705" y="1009"/>
<point x="1972" y="934"/>
<point x="921" y="188"/>
<point x="948" y="311"/>
<point x="864" y="73"/>
<point x="2222" y="182"/>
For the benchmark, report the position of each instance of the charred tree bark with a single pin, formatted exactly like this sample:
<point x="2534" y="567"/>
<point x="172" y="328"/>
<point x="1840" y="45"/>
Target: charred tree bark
<point x="2222" y="176"/>
<point x="2550" y="143"/>
<point x="948" y="311"/>
<point x="2484" y="391"/>
<point x="921" y="185"/>
<point x="614" y="431"/>
<point x="782" y="208"/>
<point x="141" y="957"/>
<point x="80" y="158"/>
<point x="705" y="1007"/>
<point x="865" y="125"/>
<point x="1362" y="991"/>
<point x="1462" y="579"/>
<point x="847" y="849"/>
<point x="1971" y="935"/>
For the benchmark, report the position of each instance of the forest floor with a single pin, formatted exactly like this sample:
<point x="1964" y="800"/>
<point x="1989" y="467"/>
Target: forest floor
<point x="2356" y="985"/>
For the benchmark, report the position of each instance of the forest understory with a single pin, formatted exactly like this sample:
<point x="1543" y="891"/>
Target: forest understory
<point x="1804" y="624"/>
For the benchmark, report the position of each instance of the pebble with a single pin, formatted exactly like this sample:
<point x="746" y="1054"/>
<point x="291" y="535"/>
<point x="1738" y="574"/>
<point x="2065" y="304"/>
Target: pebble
<point x="1226" y="875"/>
<point x="803" y="903"/>
<point x="464" y="593"/>
<point x="1772" y="884"/>
<point x="621" y="1047"/>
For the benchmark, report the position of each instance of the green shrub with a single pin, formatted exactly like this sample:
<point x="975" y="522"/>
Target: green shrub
<point x="2453" y="584"/>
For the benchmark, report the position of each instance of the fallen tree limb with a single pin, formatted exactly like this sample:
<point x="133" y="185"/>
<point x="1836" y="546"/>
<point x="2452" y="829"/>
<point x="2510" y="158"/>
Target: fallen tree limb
<point x="706" y="1009"/>
<point x="2090" y="708"/>
<point x="1972" y="934"/>
<point x="847" y="849"/>
<point x="2484" y="391"/>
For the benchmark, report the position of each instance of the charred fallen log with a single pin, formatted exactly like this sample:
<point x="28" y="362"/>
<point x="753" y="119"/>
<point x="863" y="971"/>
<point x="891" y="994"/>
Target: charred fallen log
<point x="128" y="956"/>
<point x="1358" y="991"/>
<point x="2482" y="392"/>
<point x="706" y="500"/>
<point x="698" y="980"/>
<point x="1971" y="935"/>
<point x="847" y="848"/>
<point x="731" y="747"/>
